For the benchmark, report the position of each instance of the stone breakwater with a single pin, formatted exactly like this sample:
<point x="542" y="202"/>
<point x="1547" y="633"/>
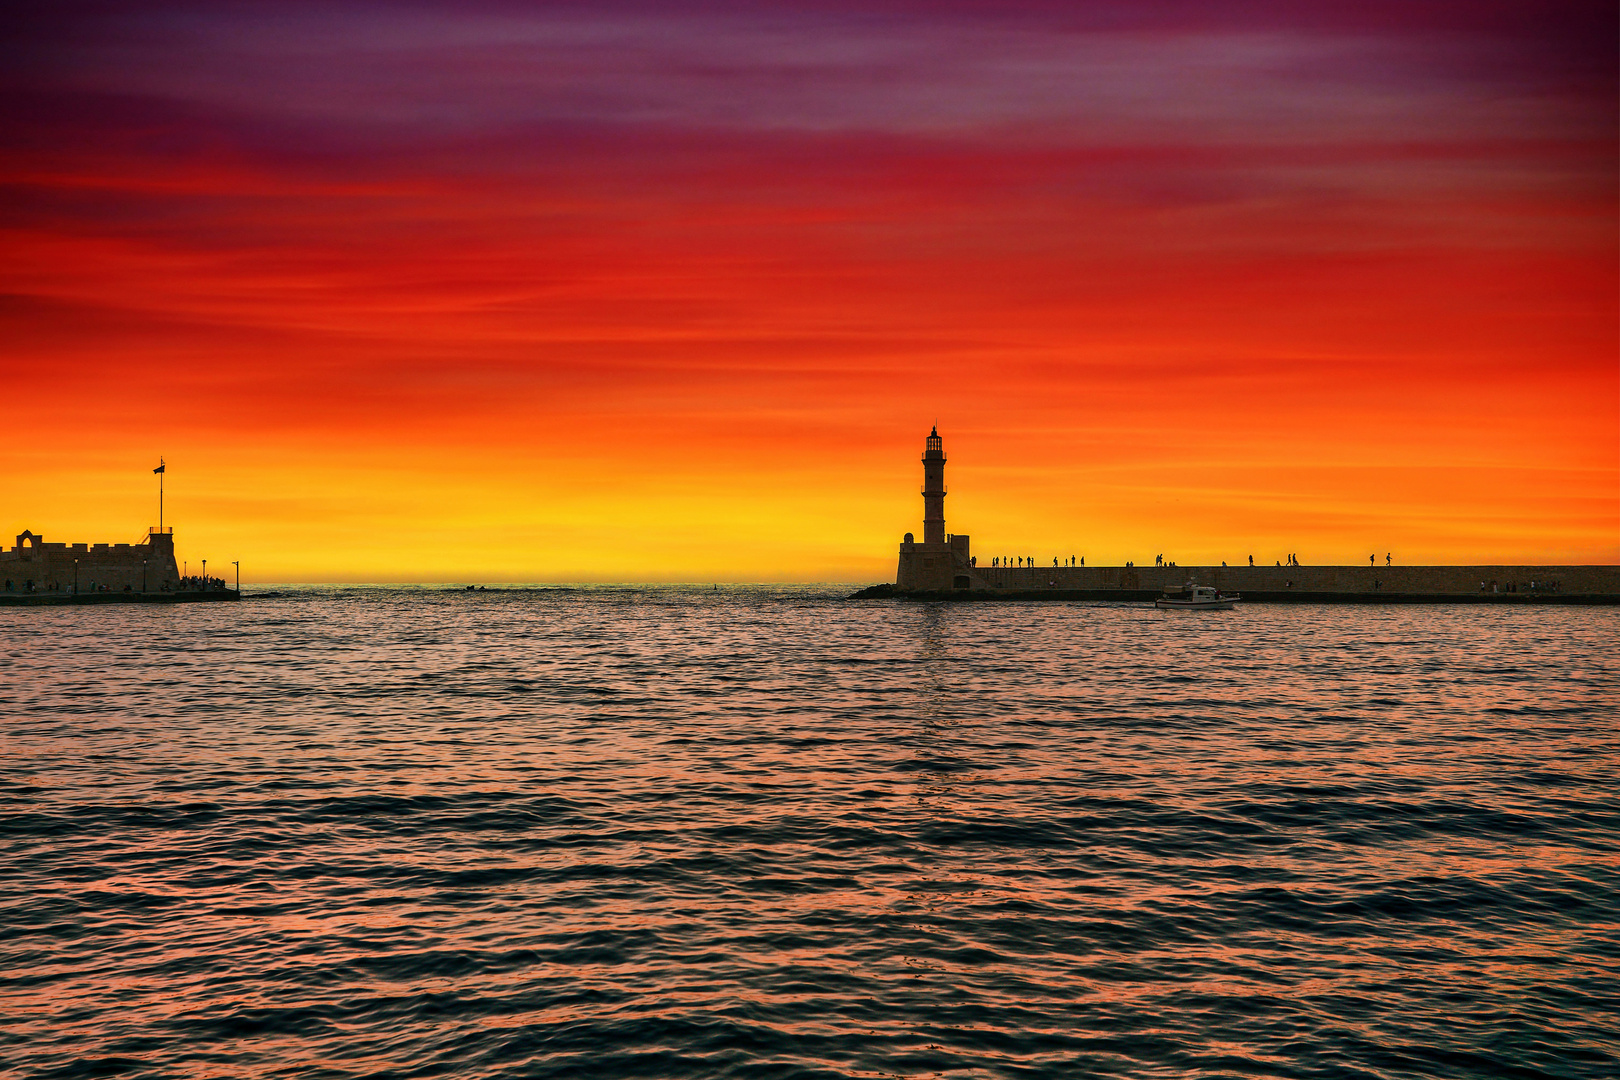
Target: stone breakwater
<point x="1317" y="584"/>
<point x="82" y="599"/>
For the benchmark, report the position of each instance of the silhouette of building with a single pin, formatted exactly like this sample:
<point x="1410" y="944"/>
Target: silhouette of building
<point x="934" y="488"/>
<point x="941" y="560"/>
<point x="37" y="567"/>
<point x="943" y="563"/>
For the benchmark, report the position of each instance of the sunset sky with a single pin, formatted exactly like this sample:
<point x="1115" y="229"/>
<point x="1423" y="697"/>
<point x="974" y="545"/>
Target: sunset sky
<point x="514" y="292"/>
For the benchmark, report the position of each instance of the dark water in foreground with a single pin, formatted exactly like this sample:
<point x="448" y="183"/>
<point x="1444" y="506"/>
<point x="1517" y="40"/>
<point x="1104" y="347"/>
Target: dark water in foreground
<point x="767" y="833"/>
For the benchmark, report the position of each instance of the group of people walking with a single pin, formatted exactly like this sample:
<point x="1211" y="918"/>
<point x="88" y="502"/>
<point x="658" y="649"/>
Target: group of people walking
<point x="1007" y="561"/>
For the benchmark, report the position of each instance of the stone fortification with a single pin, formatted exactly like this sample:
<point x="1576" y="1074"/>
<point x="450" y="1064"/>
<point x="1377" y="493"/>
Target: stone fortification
<point x="35" y="567"/>
<point x="942" y="564"/>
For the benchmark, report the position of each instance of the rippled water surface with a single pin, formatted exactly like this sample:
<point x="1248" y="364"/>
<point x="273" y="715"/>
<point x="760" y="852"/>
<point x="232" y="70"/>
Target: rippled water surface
<point x="771" y="833"/>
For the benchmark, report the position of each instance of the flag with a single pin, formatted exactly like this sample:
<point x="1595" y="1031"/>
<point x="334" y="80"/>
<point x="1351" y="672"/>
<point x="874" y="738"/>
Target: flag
<point x="160" y="468"/>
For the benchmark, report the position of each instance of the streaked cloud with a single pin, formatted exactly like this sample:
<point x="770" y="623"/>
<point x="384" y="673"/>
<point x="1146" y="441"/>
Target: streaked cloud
<point x="538" y="237"/>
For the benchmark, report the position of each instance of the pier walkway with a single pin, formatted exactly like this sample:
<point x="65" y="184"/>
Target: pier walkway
<point x="1328" y="584"/>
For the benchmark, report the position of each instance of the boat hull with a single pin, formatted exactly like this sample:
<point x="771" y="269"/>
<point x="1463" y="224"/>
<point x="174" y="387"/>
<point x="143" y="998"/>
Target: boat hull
<point x="1195" y="605"/>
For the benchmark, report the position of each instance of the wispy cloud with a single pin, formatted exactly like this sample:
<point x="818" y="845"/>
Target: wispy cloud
<point x="546" y="228"/>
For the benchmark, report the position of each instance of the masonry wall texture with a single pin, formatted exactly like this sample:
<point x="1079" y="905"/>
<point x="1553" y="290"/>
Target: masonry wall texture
<point x="35" y="566"/>
<point x="1307" y="580"/>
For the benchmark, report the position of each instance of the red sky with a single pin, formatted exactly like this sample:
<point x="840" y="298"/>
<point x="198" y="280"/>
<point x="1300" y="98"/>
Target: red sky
<point x="605" y="292"/>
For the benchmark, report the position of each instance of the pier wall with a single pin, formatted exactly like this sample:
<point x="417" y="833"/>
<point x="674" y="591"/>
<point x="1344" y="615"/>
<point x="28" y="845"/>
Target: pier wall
<point x="1306" y="581"/>
<point x="942" y="566"/>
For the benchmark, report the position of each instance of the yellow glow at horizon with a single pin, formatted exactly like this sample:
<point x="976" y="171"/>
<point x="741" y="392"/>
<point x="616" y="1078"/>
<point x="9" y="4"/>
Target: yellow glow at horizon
<point x="426" y="517"/>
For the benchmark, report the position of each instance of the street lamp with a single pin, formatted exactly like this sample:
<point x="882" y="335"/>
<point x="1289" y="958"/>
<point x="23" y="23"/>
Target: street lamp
<point x="75" y="577"/>
<point x="238" y="564"/>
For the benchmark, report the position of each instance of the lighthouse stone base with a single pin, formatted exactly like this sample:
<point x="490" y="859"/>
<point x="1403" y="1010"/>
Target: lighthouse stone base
<point x="929" y="567"/>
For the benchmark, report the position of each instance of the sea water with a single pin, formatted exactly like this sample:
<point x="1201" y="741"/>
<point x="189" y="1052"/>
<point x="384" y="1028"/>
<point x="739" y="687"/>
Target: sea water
<point x="769" y="832"/>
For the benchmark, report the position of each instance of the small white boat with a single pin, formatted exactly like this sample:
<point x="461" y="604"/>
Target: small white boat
<point x="1197" y="598"/>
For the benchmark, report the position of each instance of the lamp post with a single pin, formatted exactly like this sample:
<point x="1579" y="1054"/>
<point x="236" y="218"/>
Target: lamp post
<point x="75" y="577"/>
<point x="238" y="564"/>
<point x="205" y="575"/>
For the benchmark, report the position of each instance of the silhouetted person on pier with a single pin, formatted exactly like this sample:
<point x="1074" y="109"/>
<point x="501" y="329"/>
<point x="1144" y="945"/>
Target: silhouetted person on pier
<point x="1388" y="557"/>
<point x="1251" y="560"/>
<point x="1372" y="560"/>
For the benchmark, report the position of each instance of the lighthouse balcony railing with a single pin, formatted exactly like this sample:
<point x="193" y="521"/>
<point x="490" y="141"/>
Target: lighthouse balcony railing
<point x="155" y="531"/>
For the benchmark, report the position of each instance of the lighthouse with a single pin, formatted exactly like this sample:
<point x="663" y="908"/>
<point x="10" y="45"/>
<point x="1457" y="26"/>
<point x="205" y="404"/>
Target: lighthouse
<point x="940" y="562"/>
<point x="933" y="492"/>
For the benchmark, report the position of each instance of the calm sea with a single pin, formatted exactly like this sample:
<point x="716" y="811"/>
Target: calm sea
<point x="766" y="832"/>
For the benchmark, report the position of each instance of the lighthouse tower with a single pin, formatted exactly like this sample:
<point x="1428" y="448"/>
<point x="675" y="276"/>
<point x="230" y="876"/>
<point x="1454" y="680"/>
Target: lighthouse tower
<point x="933" y="492"/>
<point x="940" y="562"/>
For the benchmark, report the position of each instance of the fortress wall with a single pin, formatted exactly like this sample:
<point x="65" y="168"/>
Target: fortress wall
<point x="50" y="566"/>
<point x="1412" y="580"/>
<point x="51" y="569"/>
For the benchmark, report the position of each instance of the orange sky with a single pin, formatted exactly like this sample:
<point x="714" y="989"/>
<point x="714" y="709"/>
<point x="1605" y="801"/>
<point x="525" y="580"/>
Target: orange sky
<point x="610" y="294"/>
